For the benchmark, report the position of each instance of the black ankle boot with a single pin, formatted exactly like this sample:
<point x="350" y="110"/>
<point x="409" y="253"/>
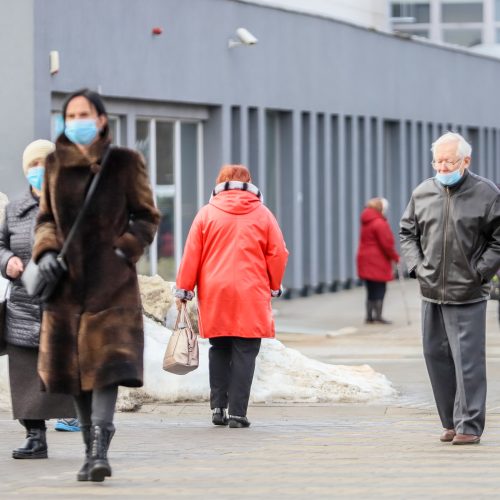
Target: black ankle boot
<point x="238" y="422"/>
<point x="83" y="473"/>
<point x="219" y="416"/>
<point x="100" y="437"/>
<point x="369" y="311"/>
<point x="35" y="445"/>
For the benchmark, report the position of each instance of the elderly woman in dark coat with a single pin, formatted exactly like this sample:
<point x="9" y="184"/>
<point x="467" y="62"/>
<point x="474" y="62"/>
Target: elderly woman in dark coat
<point x="29" y="405"/>
<point x="92" y="337"/>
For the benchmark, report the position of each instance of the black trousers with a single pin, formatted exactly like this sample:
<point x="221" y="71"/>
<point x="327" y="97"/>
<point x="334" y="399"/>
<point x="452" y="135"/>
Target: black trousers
<point x="231" y="367"/>
<point x="375" y="289"/>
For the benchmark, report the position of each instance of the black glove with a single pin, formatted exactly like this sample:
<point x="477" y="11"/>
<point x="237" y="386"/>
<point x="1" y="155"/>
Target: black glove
<point x="49" y="267"/>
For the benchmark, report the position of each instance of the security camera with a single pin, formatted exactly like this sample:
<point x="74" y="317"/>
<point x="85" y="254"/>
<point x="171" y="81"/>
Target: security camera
<point x="244" y="38"/>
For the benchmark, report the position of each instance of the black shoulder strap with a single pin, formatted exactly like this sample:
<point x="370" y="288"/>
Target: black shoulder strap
<point x="86" y="204"/>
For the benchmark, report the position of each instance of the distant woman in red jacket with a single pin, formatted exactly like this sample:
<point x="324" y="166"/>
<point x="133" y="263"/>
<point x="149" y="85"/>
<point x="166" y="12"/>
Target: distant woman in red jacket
<point x="236" y="255"/>
<point x="376" y="252"/>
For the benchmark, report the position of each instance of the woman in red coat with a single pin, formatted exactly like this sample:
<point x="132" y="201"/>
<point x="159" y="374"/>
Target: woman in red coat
<point x="236" y="256"/>
<point x="376" y="253"/>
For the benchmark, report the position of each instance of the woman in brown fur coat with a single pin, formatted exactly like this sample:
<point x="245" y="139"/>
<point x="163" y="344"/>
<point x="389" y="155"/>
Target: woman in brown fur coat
<point x="92" y="335"/>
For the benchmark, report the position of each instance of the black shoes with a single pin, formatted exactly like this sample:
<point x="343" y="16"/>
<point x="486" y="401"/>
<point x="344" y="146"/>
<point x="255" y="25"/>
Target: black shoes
<point x="83" y="473"/>
<point x="219" y="416"/>
<point x="238" y="422"/>
<point x="378" y="304"/>
<point x="98" y="466"/>
<point x="35" y="445"/>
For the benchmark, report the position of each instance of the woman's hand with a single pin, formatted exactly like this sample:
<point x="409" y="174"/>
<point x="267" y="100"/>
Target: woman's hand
<point x="14" y="267"/>
<point x="179" y="302"/>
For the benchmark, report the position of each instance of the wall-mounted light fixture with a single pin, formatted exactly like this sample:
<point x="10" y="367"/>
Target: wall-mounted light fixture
<point x="54" y="62"/>
<point x="244" y="38"/>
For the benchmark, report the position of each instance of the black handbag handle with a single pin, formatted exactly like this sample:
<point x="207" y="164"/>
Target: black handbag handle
<point x="86" y="203"/>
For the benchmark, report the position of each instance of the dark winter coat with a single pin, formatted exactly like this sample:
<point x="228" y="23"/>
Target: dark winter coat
<point x="450" y="238"/>
<point x="16" y="239"/>
<point x="376" y="247"/>
<point x="92" y="330"/>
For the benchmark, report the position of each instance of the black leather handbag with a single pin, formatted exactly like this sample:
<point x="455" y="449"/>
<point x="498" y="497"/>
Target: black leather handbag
<point x="36" y="285"/>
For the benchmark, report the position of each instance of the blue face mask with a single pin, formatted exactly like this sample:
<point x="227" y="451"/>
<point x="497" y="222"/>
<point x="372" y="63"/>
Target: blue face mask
<point x="81" y="132"/>
<point x="449" y="179"/>
<point x="35" y="176"/>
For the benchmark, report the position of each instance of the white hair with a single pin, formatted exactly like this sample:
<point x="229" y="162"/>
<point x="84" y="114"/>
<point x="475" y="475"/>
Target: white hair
<point x="464" y="149"/>
<point x="385" y="205"/>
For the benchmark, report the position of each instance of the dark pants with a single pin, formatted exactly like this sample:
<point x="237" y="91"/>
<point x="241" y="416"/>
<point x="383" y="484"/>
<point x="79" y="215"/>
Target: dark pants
<point x="231" y="367"/>
<point x="375" y="289"/>
<point x="97" y="407"/>
<point x="454" y="351"/>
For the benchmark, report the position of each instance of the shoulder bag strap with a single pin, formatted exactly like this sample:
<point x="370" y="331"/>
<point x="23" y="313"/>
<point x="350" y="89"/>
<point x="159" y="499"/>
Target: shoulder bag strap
<point x="85" y="205"/>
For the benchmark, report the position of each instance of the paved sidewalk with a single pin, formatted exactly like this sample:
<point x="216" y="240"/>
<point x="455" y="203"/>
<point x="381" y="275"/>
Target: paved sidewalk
<point x="385" y="450"/>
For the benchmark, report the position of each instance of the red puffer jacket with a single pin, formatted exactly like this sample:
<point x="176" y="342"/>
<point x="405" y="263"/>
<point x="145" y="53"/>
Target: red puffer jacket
<point x="235" y="254"/>
<point x="376" y="247"/>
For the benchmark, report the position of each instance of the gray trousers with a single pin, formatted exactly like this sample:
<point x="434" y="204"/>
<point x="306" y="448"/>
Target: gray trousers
<point x="454" y="351"/>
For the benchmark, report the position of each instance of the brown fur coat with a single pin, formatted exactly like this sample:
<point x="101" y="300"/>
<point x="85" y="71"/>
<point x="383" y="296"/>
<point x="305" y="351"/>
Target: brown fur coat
<point x="92" y="331"/>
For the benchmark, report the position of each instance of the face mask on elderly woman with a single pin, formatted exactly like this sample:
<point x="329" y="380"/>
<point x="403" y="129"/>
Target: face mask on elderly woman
<point x="35" y="176"/>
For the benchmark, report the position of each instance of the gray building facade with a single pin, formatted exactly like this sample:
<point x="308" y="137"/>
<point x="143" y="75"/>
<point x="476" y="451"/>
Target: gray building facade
<point x="325" y="114"/>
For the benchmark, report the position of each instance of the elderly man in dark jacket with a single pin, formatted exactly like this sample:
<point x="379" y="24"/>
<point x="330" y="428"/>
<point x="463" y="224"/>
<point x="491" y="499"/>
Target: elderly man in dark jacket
<point x="450" y="238"/>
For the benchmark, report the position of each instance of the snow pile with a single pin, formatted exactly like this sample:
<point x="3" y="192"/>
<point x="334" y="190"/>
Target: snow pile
<point x="282" y="375"/>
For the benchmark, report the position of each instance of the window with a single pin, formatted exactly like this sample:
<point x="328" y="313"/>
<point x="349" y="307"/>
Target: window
<point x="497" y="12"/>
<point x="115" y="130"/>
<point x="172" y="151"/>
<point x="164" y="153"/>
<point x="462" y="12"/>
<point x="465" y="37"/>
<point x="143" y="145"/>
<point x="165" y="193"/>
<point x="498" y="35"/>
<point x="56" y="125"/>
<point x="420" y="11"/>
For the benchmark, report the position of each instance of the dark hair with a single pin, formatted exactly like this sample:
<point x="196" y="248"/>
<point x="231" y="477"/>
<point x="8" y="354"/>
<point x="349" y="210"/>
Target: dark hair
<point x="95" y="100"/>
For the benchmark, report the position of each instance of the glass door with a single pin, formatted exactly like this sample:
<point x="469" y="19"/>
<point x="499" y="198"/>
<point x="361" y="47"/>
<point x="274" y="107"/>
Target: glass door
<point x="172" y="149"/>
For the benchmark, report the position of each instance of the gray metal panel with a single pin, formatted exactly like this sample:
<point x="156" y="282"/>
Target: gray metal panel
<point x="342" y="234"/>
<point x="313" y="204"/>
<point x="296" y="209"/>
<point x="17" y="97"/>
<point x="307" y="64"/>
<point x="328" y="194"/>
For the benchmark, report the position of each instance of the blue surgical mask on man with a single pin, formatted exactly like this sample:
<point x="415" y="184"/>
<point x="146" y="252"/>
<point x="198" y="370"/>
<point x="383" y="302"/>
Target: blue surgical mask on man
<point x="449" y="179"/>
<point x="35" y="176"/>
<point x="81" y="131"/>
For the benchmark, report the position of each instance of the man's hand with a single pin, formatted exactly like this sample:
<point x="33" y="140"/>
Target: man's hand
<point x="14" y="267"/>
